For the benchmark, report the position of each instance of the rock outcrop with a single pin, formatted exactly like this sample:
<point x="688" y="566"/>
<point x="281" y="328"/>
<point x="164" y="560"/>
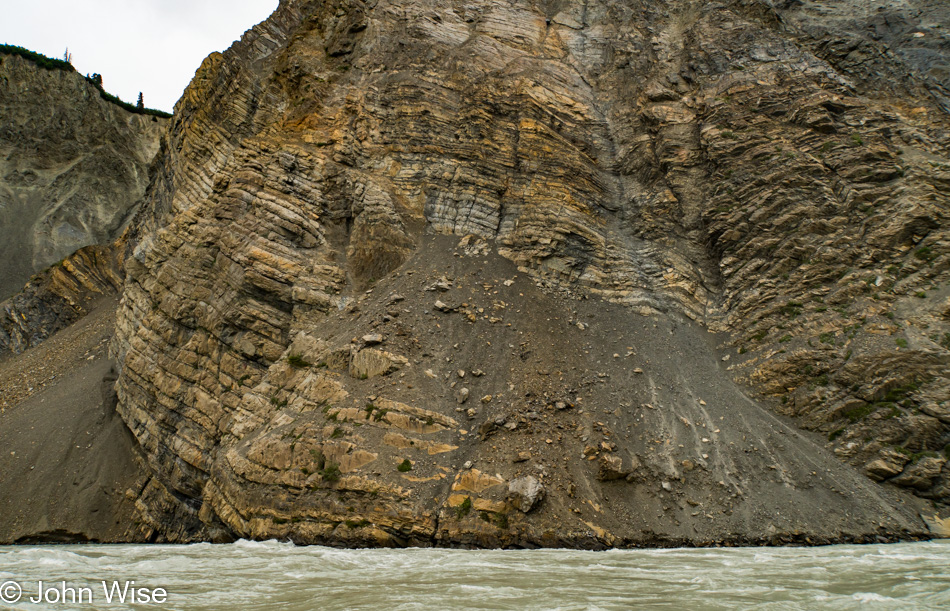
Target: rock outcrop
<point x="73" y="167"/>
<point x="406" y="266"/>
<point x="59" y="296"/>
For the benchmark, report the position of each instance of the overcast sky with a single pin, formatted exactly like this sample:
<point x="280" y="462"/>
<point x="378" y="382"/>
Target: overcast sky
<point x="152" y="46"/>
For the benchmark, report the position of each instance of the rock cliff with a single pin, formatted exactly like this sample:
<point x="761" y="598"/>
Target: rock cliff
<point x="73" y="166"/>
<point x="301" y="355"/>
<point x="548" y="273"/>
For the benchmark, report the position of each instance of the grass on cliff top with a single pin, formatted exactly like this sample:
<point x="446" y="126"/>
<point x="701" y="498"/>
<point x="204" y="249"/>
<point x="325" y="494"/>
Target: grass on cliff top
<point x="50" y="63"/>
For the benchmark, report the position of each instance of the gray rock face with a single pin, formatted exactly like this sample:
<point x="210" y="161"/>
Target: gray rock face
<point x="894" y="45"/>
<point x="525" y="493"/>
<point x="73" y="167"/>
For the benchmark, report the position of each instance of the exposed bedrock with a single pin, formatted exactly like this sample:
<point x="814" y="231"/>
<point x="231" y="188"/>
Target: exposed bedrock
<point x="359" y="206"/>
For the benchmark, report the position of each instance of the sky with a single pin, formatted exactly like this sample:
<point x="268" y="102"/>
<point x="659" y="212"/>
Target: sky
<point x="148" y="46"/>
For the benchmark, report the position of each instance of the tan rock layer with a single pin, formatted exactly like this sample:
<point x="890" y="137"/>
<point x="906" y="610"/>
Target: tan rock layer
<point x="640" y="152"/>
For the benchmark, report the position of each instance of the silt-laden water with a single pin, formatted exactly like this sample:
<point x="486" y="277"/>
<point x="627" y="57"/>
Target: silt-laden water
<point x="271" y="575"/>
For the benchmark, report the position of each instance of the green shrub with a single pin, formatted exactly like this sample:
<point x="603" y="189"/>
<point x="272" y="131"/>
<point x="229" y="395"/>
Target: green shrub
<point x="49" y="63"/>
<point x="791" y="309"/>
<point x="925" y="254"/>
<point x="405" y="466"/>
<point x="356" y="523"/>
<point x="297" y="360"/>
<point x="856" y="414"/>
<point x="462" y="510"/>
<point x="108" y="97"/>
<point x="900" y="341"/>
<point x="37" y="58"/>
<point x="331" y="472"/>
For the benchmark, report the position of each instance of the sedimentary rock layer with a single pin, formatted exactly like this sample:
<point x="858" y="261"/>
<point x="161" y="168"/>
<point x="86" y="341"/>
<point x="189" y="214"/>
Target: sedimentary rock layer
<point x="697" y="164"/>
<point x="57" y="297"/>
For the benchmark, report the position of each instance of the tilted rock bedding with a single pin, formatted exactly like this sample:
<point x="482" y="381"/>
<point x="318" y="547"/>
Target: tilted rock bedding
<point x="520" y="273"/>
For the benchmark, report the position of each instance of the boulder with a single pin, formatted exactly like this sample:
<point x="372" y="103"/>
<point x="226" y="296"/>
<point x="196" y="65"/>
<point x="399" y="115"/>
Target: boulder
<point x="525" y="493"/>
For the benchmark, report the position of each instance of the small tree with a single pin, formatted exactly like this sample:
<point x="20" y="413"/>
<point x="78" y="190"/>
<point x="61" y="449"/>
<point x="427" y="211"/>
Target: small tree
<point x="141" y="103"/>
<point x="97" y="79"/>
<point x="67" y="56"/>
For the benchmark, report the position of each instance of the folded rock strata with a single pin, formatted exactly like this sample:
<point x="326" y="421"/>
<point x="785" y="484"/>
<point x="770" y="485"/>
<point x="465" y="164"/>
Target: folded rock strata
<point x="591" y="188"/>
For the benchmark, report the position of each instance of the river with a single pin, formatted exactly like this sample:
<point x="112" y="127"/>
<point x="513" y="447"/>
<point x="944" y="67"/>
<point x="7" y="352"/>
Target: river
<point x="270" y="575"/>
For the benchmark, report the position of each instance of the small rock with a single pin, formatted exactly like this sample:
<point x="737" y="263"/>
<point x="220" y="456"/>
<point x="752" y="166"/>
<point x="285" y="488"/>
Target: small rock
<point x="525" y="493"/>
<point x="478" y="373"/>
<point x="462" y="395"/>
<point x="522" y="457"/>
<point x="486" y="429"/>
<point x="921" y="474"/>
<point x="637" y="370"/>
<point x="487" y="399"/>
<point x="467" y="465"/>
<point x="611" y="468"/>
<point x="461" y="373"/>
<point x="889" y="465"/>
<point x="511" y="425"/>
<point x="471" y="412"/>
<point x="667" y="486"/>
<point x="563" y="405"/>
<point x="372" y="339"/>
